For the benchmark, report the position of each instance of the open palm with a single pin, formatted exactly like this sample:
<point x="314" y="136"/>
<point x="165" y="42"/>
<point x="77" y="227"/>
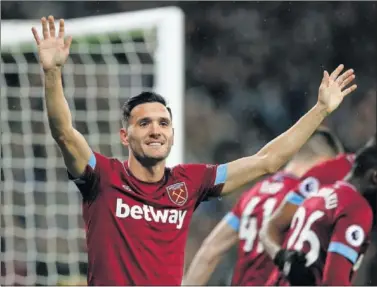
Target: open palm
<point x="333" y="88"/>
<point x="53" y="51"/>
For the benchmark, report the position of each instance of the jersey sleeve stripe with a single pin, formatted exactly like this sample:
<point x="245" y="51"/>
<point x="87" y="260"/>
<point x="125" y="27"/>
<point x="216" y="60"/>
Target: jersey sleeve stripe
<point x="92" y="161"/>
<point x="344" y="250"/>
<point x="232" y="220"/>
<point x="294" y="198"/>
<point x="221" y="174"/>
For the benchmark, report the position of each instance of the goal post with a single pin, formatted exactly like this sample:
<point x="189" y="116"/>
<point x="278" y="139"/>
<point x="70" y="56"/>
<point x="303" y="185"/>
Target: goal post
<point x="168" y="54"/>
<point x="112" y="58"/>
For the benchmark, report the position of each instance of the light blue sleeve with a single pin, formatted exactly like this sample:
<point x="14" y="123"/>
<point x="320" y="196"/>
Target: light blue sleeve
<point x="92" y="161"/>
<point x="233" y="221"/>
<point x="294" y="198"/>
<point x="221" y="174"/>
<point x="344" y="250"/>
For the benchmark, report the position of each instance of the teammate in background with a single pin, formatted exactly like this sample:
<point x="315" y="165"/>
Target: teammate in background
<point x="326" y="173"/>
<point x="137" y="212"/>
<point x="330" y="230"/>
<point x="242" y="224"/>
<point x="322" y="174"/>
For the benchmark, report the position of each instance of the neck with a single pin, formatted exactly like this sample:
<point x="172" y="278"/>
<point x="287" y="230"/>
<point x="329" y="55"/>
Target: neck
<point x="300" y="167"/>
<point x="147" y="172"/>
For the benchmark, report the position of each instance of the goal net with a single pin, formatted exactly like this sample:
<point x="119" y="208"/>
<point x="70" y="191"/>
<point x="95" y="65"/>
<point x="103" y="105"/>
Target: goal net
<point x="112" y="58"/>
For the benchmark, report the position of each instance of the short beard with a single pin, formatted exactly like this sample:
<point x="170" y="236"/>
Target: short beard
<point x="148" y="161"/>
<point x="145" y="160"/>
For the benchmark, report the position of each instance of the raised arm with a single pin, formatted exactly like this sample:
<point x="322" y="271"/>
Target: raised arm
<point x="277" y="152"/>
<point x="220" y="240"/>
<point x="53" y="53"/>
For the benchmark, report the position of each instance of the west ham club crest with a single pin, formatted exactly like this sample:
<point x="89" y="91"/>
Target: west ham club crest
<point x="178" y="193"/>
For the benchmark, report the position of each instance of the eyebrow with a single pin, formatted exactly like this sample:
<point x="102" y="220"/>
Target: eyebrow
<point x="150" y="119"/>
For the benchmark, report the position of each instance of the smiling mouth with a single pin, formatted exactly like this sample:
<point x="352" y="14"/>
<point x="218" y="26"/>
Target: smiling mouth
<point x="154" y="144"/>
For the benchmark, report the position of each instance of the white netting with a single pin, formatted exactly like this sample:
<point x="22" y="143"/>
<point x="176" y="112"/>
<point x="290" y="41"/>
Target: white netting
<point x="42" y="230"/>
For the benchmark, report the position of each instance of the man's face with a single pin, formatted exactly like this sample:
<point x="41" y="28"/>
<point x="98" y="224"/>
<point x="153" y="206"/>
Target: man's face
<point x="149" y="134"/>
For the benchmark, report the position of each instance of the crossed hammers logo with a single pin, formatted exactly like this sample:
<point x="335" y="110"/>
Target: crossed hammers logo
<point x="178" y="196"/>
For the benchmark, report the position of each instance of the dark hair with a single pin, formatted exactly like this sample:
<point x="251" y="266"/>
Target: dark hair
<point x="365" y="160"/>
<point x="142" y="98"/>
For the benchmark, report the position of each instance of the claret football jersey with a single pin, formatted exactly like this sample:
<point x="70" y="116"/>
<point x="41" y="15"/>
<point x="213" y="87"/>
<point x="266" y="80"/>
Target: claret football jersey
<point x="336" y="219"/>
<point x="325" y="173"/>
<point x="253" y="266"/>
<point x="136" y="231"/>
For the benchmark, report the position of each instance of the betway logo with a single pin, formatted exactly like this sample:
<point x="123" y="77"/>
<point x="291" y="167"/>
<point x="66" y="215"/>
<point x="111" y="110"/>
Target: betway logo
<point x="148" y="213"/>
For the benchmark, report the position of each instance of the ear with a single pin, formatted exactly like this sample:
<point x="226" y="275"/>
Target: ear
<point x="123" y="133"/>
<point x="172" y="143"/>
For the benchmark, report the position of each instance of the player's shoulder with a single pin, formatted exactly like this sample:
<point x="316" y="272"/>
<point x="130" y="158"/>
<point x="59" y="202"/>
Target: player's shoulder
<point x="193" y="166"/>
<point x="192" y="169"/>
<point x="329" y="171"/>
<point x="106" y="162"/>
<point x="101" y="156"/>
<point x="350" y="199"/>
<point x="342" y="160"/>
<point x="270" y="186"/>
<point x="280" y="182"/>
<point x="345" y="159"/>
<point x="347" y="192"/>
<point x="354" y="208"/>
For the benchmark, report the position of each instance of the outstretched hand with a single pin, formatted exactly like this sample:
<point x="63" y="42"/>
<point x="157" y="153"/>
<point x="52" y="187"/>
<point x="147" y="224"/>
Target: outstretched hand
<point x="53" y="51"/>
<point x="333" y="88"/>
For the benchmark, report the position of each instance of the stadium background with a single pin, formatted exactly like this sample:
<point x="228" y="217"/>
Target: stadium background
<point x="251" y="70"/>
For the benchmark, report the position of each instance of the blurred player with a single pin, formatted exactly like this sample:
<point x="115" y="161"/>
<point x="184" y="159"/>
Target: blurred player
<point x="322" y="174"/>
<point x="329" y="231"/>
<point x="242" y="224"/>
<point x="137" y="212"/>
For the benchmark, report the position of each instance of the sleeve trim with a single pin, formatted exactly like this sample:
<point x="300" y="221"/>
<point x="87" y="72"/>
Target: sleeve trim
<point x="294" y="198"/>
<point x="344" y="250"/>
<point x="92" y="161"/>
<point x="221" y="174"/>
<point x="232" y="220"/>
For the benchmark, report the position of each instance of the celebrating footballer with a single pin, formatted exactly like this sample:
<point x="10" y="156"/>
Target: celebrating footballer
<point x="137" y="212"/>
